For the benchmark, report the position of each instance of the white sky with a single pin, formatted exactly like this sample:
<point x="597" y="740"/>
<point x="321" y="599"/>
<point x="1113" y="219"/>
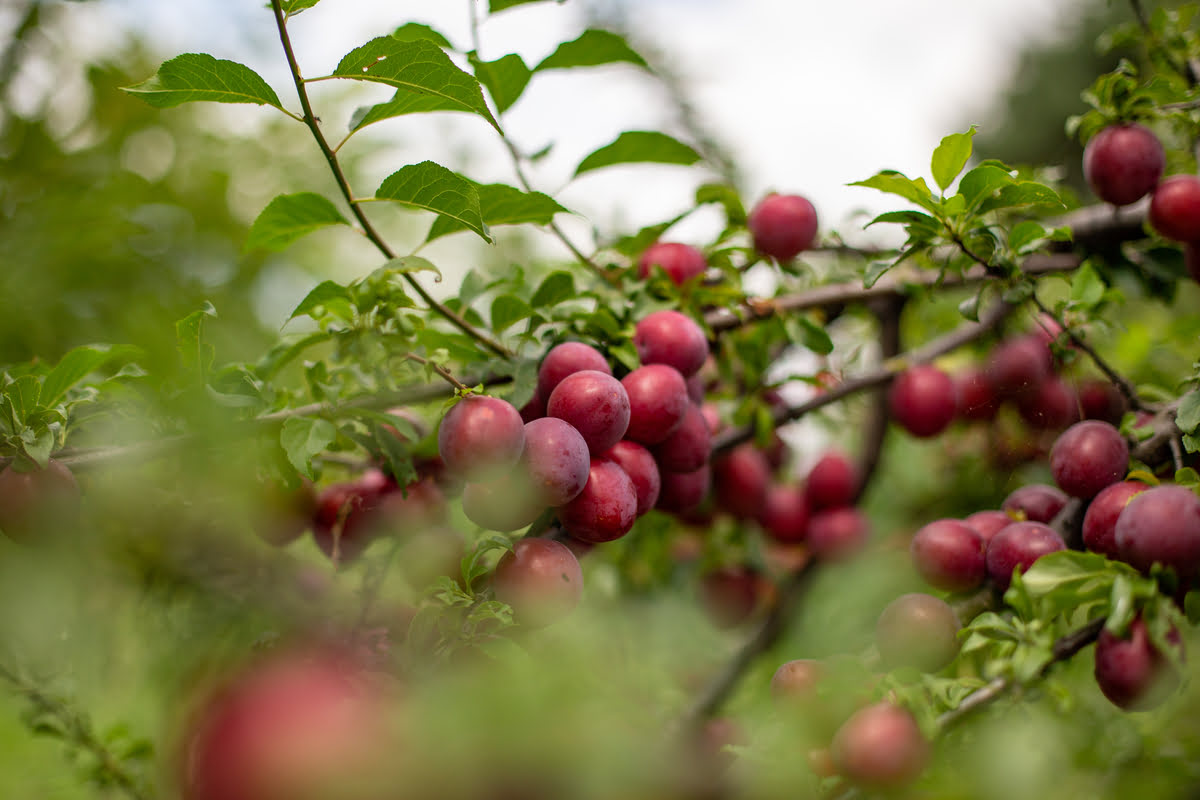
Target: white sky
<point x="808" y="95"/>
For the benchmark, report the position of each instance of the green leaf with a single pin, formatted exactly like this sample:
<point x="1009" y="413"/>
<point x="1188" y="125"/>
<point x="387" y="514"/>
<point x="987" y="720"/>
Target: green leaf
<point x="557" y="287"/>
<point x="403" y="102"/>
<point x="727" y="196"/>
<point x="1026" y="236"/>
<point x="415" y="31"/>
<point x="419" y="66"/>
<point x="433" y="187"/>
<point x="592" y="48"/>
<point x="23" y="394"/>
<point x="919" y="221"/>
<point x="196" y="355"/>
<point x="815" y="337"/>
<point x="639" y="146"/>
<point x="293" y="7"/>
<point x="194" y="77"/>
<point x="495" y="6"/>
<point x="501" y="204"/>
<point x="328" y="295"/>
<point x="951" y="156"/>
<point x="289" y="217"/>
<point x="73" y="367"/>
<point x="1187" y="417"/>
<point x="983" y="181"/>
<point x="897" y="183"/>
<point x="505" y="79"/>
<point x="406" y="264"/>
<point x="507" y="309"/>
<point x="304" y="437"/>
<point x="1023" y="193"/>
<point x="874" y="271"/>
<point x="1087" y="287"/>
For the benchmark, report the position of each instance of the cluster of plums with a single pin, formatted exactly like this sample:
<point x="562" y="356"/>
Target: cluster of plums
<point x="1125" y="162"/>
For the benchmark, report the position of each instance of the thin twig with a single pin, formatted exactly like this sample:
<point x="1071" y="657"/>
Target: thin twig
<point x="876" y="425"/>
<point x="439" y="369"/>
<point x="343" y="183"/>
<point x="957" y="338"/>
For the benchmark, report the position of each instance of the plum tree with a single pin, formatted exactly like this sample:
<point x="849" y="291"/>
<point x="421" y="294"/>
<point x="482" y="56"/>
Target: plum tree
<point x="38" y="501"/>
<point x="658" y="401"/>
<point x="556" y="459"/>
<point x="1087" y="457"/>
<point x="1018" y="546"/>
<point x="730" y="594"/>
<point x="1038" y="502"/>
<point x="671" y="338"/>
<point x="681" y="262"/>
<point x="1175" y="208"/>
<point x="880" y="747"/>
<point x="741" y="478"/>
<point x="917" y="630"/>
<point x="784" y="513"/>
<point x="1100" y="520"/>
<point x="642" y="469"/>
<point x="1161" y="526"/>
<point x="832" y="482"/>
<point x="595" y="404"/>
<point x="606" y="508"/>
<point x="949" y="555"/>
<point x="922" y="400"/>
<point x="480" y="436"/>
<point x="1131" y="671"/>
<point x="565" y="358"/>
<point x="689" y="447"/>
<point x="835" y="534"/>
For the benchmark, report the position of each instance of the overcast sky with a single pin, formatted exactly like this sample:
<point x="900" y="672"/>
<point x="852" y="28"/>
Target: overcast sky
<point x="809" y="96"/>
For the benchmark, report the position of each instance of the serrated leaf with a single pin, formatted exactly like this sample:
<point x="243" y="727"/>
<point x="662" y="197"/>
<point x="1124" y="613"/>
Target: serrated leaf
<point x="293" y="7"/>
<point x="1187" y="417"/>
<point x="505" y="79"/>
<point x="639" y="147"/>
<point x="406" y="264"/>
<point x="329" y="295"/>
<point x="403" y="102"/>
<point x="196" y="355"/>
<point x="508" y="309"/>
<point x="23" y="395"/>
<point x="418" y="66"/>
<point x="415" y="31"/>
<point x="434" y="188"/>
<point x="557" y="287"/>
<point x="501" y="204"/>
<point x="897" y="183"/>
<point x="199" y="77"/>
<point x="289" y="217"/>
<point x="1023" y="193"/>
<point x="950" y="157"/>
<point x="1087" y="287"/>
<point x="982" y="182"/>
<point x="73" y="367"/>
<point x="304" y="437"/>
<point x="592" y="48"/>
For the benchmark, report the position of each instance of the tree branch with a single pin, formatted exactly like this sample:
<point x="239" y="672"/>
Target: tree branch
<point x="356" y="207"/>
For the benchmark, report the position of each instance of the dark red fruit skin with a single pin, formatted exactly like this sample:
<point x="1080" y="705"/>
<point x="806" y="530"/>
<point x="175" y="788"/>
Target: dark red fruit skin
<point x="741" y="478"/>
<point x="565" y="358"/>
<point x="974" y="399"/>
<point x="949" y="555"/>
<point x="642" y="469"/>
<point x="1019" y="365"/>
<point x="1161" y="524"/>
<point x="299" y="720"/>
<point x="689" y="447"/>
<point x="541" y="579"/>
<point x="1018" y="546"/>
<point x="681" y="262"/>
<point x="1087" y="457"/>
<point x="658" y="400"/>
<point x="1051" y="406"/>
<point x="595" y="404"/>
<point x="837" y="533"/>
<point x="351" y="502"/>
<point x="1037" y="501"/>
<point x="671" y="338"/>
<point x="1123" y="162"/>
<point x="922" y="400"/>
<point x="784" y="514"/>
<point x="37" y="503"/>
<point x="988" y="523"/>
<point x="1175" y="208"/>
<point x="606" y="508"/>
<point x="832" y="482"/>
<point x="556" y="459"/>
<point x="1100" y="521"/>
<point x="730" y="594"/>
<point x="534" y="409"/>
<point x="880" y="747"/>
<point x="1131" y="672"/>
<point x="1099" y="399"/>
<point x="481" y="435"/>
<point x="917" y="630"/>
<point x="783" y="225"/>
<point x="684" y="491"/>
